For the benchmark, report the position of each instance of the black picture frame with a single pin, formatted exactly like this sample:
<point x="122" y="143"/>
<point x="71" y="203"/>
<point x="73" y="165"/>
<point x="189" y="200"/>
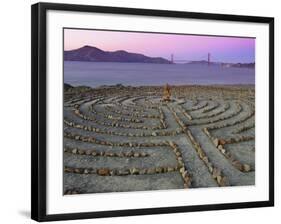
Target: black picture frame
<point x="38" y="108"/>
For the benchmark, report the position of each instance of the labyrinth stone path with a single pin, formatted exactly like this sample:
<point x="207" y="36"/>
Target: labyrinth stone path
<point x="126" y="139"/>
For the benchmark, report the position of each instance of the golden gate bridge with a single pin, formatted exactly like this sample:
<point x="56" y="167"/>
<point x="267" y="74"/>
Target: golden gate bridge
<point x="207" y="57"/>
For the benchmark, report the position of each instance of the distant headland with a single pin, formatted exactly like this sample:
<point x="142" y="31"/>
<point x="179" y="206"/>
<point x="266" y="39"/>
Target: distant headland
<point x="94" y="54"/>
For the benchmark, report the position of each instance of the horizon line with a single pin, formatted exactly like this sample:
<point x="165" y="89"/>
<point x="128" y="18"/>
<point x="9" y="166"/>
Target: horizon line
<point x="187" y="61"/>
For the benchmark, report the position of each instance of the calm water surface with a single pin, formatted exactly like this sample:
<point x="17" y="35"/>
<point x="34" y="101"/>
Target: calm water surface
<point x="95" y="74"/>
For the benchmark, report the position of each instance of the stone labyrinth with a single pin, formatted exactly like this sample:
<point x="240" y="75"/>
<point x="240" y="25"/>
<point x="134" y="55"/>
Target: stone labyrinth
<point x="126" y="139"/>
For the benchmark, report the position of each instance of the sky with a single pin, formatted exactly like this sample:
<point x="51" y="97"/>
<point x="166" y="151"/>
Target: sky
<point x="184" y="47"/>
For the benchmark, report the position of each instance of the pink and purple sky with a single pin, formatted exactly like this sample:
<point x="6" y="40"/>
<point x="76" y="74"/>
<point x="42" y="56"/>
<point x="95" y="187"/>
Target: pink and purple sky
<point x="186" y="47"/>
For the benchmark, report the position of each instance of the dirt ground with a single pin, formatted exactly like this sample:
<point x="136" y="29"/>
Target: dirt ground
<point x="126" y="139"/>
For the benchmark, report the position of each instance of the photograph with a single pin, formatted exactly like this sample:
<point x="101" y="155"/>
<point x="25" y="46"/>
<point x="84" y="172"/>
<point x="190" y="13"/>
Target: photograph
<point x="146" y="111"/>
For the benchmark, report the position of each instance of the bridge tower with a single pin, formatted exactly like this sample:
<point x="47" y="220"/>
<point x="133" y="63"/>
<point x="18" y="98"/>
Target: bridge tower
<point x="172" y="58"/>
<point x="209" y="58"/>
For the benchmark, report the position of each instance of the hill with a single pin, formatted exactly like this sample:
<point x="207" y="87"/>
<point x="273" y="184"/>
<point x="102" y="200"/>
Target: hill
<point x="90" y="53"/>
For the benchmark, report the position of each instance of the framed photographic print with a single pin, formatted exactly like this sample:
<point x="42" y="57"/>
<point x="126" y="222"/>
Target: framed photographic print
<point x="139" y="111"/>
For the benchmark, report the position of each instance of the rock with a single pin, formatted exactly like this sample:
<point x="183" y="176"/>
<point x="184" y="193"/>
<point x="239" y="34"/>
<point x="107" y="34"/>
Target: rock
<point x="74" y="151"/>
<point x="112" y="172"/>
<point x="81" y="152"/>
<point x="77" y="170"/>
<point x="184" y="174"/>
<point x="201" y="154"/>
<point x="170" y="169"/>
<point x="134" y="171"/>
<point x="228" y="154"/>
<point x="154" y="133"/>
<point x="68" y="170"/>
<point x="123" y="172"/>
<point x="223" y="151"/>
<point x="159" y="170"/>
<point x="143" y="154"/>
<point x="237" y="165"/>
<point x="246" y="167"/>
<point x="86" y="171"/>
<point x="216" y="142"/>
<point x="220" y="147"/>
<point x="171" y="144"/>
<point x="94" y="153"/>
<point x="223" y="182"/>
<point x="187" y="180"/>
<point x="216" y="172"/>
<point x="120" y="154"/>
<point x="88" y="152"/>
<point x="136" y="154"/>
<point x="142" y="171"/>
<point x="182" y="170"/>
<point x="222" y="142"/>
<point x="103" y="172"/>
<point x="129" y="154"/>
<point x="219" y="178"/>
<point x="180" y="163"/>
<point x="178" y="154"/>
<point x="150" y="171"/>
<point x="205" y="159"/>
<point x="106" y="153"/>
<point x="93" y="171"/>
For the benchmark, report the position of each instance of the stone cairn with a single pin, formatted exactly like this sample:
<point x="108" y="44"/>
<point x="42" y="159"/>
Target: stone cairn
<point x="166" y="93"/>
